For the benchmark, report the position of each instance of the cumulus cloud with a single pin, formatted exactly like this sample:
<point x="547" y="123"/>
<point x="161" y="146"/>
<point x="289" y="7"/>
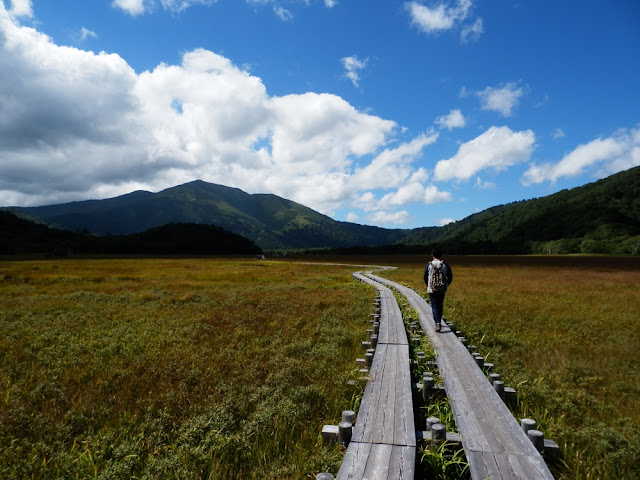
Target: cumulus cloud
<point x="389" y="218"/>
<point x="501" y="99"/>
<point x="132" y="7"/>
<point x="21" y="8"/>
<point x="445" y="16"/>
<point x="83" y="125"/>
<point x="139" y="7"/>
<point x="498" y="149"/>
<point x="353" y="65"/>
<point x="454" y="119"/>
<point x="330" y="3"/>
<point x="604" y="156"/>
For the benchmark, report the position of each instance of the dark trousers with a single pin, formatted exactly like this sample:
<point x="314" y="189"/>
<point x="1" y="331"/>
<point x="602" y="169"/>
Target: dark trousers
<point x="437" y="303"/>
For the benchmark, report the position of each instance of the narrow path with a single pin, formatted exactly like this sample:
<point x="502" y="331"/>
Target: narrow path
<point x="383" y="444"/>
<point x="495" y="445"/>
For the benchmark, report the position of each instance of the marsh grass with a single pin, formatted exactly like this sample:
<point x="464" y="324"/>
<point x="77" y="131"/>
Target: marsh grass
<point x="565" y="332"/>
<point x="174" y="368"/>
<point x="447" y="461"/>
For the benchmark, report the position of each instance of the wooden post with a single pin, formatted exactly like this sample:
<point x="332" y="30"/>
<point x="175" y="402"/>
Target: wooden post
<point x="345" y="429"/>
<point x="498" y="386"/>
<point x="510" y="397"/>
<point x="528" y="424"/>
<point x="349" y="416"/>
<point x="452" y="327"/>
<point x="537" y="438"/>
<point x="431" y="421"/>
<point x="324" y="476"/>
<point x="427" y="387"/>
<point x="480" y="361"/>
<point x="438" y="434"/>
<point x="376" y="327"/>
<point x="374" y="341"/>
<point x="368" y="359"/>
<point x="463" y="340"/>
<point x="493" y="377"/>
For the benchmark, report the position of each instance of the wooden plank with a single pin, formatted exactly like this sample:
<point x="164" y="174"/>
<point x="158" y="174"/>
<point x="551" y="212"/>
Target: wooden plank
<point x="495" y="445"/>
<point x="404" y="430"/>
<point x="377" y="462"/>
<point x="383" y="444"/>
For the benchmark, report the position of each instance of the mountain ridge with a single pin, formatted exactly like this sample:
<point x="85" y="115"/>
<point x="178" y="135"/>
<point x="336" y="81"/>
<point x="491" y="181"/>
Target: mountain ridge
<point x="586" y="219"/>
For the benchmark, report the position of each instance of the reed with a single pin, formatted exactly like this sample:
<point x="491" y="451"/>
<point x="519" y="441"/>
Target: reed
<point x="565" y="333"/>
<point x="174" y="368"/>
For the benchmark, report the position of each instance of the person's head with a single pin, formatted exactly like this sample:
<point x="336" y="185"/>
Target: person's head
<point x="436" y="253"/>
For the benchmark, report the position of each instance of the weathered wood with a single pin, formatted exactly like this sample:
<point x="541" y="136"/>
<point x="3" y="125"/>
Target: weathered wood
<point x="383" y="441"/>
<point x="495" y="445"/>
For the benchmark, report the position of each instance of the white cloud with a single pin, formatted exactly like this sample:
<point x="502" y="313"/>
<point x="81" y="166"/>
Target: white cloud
<point x="441" y="17"/>
<point x="132" y="7"/>
<point x="445" y="221"/>
<point x="606" y="156"/>
<point x="352" y="217"/>
<point x="445" y="16"/>
<point x="21" y="8"/>
<point x="502" y="100"/>
<point x="473" y="32"/>
<point x="86" y="33"/>
<point x="454" y="119"/>
<point x="388" y="218"/>
<point x="330" y="3"/>
<point x="83" y="125"/>
<point x="138" y="7"/>
<point x="484" y="185"/>
<point x="414" y="192"/>
<point x="558" y="133"/>
<point x="353" y="65"/>
<point x="283" y="13"/>
<point x="498" y="148"/>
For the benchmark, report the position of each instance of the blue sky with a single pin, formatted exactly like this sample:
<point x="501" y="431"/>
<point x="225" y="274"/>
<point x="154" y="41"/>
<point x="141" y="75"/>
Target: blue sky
<point x="393" y="113"/>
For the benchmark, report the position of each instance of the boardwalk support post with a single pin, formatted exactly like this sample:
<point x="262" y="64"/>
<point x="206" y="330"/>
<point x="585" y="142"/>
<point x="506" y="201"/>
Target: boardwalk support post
<point x="324" y="476"/>
<point x="427" y="387"/>
<point x="438" y="434"/>
<point x="345" y="429"/>
<point x="537" y="438"/>
<point x="498" y="386"/>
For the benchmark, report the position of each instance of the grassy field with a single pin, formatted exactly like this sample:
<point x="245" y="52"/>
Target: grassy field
<point x="565" y="331"/>
<point x="209" y="368"/>
<point x="218" y="369"/>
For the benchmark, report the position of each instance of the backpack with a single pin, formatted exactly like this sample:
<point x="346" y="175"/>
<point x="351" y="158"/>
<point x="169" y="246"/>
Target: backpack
<point x="438" y="281"/>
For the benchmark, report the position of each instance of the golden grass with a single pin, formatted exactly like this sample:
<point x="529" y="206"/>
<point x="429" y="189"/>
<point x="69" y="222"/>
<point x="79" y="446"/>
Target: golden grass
<point x="174" y="368"/>
<point x="566" y="333"/>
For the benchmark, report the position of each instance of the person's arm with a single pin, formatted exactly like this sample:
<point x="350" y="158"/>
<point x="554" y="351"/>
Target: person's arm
<point x="426" y="274"/>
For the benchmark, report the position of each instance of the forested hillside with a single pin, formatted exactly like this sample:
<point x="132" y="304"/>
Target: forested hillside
<point x="600" y="217"/>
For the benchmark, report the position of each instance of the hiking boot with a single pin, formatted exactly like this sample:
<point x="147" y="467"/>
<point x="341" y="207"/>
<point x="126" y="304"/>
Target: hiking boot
<point x="437" y="327"/>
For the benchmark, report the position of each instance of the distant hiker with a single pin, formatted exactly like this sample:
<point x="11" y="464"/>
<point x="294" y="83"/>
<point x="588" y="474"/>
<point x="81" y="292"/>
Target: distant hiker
<point x="437" y="276"/>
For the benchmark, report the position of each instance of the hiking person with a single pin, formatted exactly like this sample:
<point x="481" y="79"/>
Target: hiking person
<point x="437" y="276"/>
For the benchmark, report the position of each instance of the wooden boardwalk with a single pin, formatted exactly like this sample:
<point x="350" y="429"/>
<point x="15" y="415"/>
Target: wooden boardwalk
<point x="383" y="443"/>
<point x="495" y="445"/>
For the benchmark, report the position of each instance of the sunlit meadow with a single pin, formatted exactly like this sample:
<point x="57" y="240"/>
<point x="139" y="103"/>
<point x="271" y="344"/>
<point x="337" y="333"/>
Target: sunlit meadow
<point x="565" y="332"/>
<point x="175" y="368"/>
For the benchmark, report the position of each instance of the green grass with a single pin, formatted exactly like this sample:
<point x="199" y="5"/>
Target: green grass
<point x="565" y="332"/>
<point x="200" y="368"/>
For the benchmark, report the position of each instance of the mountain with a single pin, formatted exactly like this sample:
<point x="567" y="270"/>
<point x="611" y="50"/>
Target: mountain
<point x="600" y="217"/>
<point x="23" y="236"/>
<point x="270" y="221"/>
